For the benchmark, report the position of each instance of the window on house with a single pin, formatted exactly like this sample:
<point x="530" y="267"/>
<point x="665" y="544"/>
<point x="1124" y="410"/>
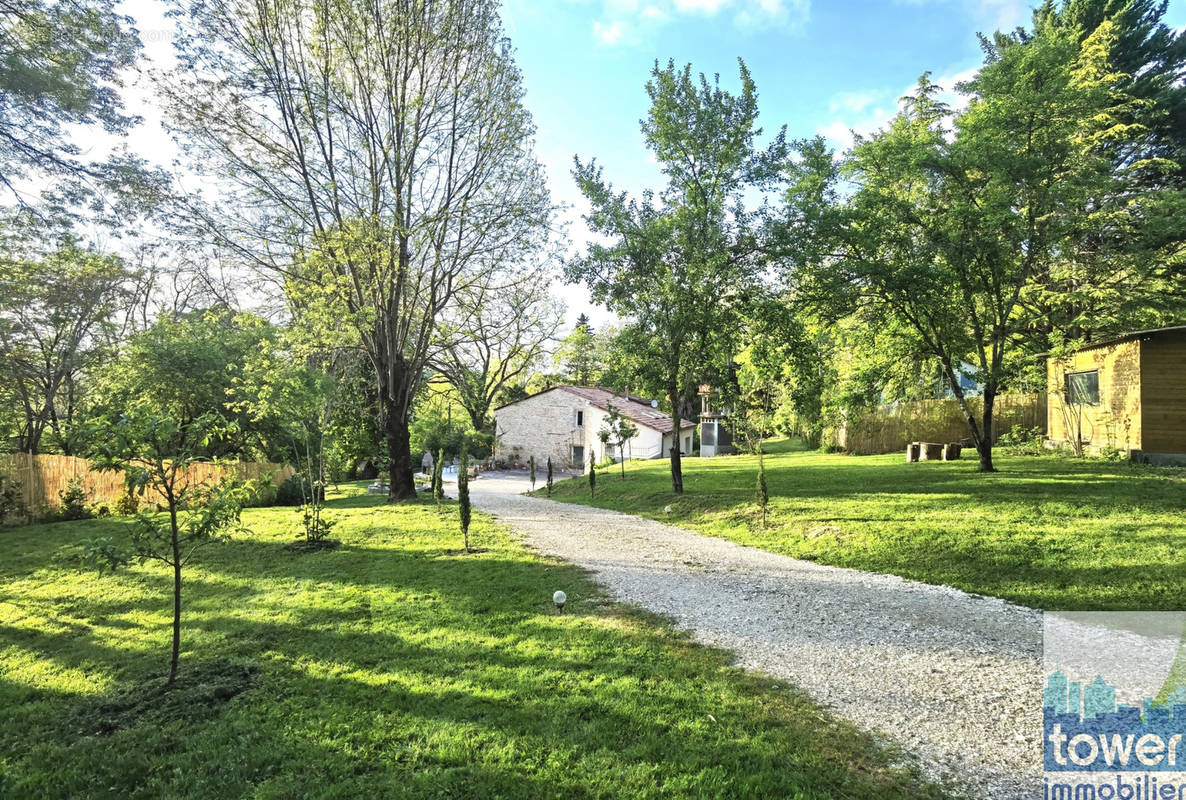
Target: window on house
<point x="580" y="419"/>
<point x="1083" y="388"/>
<point x="578" y="454"/>
<point x="687" y="444"/>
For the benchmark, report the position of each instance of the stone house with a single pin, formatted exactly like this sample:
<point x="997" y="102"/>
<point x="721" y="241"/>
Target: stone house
<point x="1126" y="392"/>
<point x="562" y="423"/>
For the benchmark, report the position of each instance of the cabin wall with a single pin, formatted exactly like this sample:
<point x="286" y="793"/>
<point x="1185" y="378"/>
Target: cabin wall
<point x="1163" y="394"/>
<point x="1117" y="420"/>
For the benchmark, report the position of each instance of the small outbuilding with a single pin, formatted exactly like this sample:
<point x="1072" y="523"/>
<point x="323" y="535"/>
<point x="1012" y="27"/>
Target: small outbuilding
<point x="563" y="423"/>
<point x="1126" y="392"/>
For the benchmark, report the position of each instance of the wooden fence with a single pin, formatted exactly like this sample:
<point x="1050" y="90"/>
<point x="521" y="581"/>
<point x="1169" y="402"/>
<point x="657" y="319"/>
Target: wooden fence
<point x="43" y="477"/>
<point x="888" y="428"/>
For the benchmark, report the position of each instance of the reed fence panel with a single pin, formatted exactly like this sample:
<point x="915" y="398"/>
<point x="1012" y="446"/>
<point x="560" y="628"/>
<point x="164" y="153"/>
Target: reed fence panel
<point x="888" y="429"/>
<point x="43" y="478"/>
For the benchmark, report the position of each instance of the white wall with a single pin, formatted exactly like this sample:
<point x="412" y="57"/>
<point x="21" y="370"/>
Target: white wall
<point x="647" y="443"/>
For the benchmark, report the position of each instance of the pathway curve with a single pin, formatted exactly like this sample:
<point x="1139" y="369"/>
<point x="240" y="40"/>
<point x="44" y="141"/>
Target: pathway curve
<point x="952" y="678"/>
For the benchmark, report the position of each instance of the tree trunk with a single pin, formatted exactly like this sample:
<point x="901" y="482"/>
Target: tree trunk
<point x="401" y="484"/>
<point x="677" y="471"/>
<point x="984" y="445"/>
<point x="176" y="652"/>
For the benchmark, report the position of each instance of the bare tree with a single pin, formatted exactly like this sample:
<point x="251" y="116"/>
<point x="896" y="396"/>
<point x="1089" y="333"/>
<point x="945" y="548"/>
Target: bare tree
<point x="373" y="156"/>
<point x="497" y="336"/>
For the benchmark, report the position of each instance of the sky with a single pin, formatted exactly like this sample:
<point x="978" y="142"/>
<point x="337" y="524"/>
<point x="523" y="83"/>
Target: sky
<point x="821" y="67"/>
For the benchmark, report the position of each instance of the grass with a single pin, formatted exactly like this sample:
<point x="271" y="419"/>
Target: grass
<point x="393" y="666"/>
<point x="1047" y="532"/>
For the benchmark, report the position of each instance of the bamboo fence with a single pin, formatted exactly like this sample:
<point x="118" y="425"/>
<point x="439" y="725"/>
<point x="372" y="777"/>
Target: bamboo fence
<point x="43" y="478"/>
<point x="889" y="428"/>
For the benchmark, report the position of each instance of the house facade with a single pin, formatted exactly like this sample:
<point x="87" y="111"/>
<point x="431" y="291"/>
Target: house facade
<point x="1127" y="392"/>
<point x="563" y="423"/>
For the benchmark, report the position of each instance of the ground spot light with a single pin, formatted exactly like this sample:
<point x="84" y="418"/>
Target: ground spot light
<point x="560" y="598"/>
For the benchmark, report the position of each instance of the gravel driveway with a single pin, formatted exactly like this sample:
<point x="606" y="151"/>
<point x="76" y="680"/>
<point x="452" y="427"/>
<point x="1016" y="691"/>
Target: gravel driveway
<point x="954" y="679"/>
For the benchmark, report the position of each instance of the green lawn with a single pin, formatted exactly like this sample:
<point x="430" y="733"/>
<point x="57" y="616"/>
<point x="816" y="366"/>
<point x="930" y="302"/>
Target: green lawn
<point x="392" y="667"/>
<point x="1047" y="532"/>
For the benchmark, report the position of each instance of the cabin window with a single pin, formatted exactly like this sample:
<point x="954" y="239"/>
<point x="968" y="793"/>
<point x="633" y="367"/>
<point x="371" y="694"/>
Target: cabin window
<point x="1083" y="388"/>
<point x="580" y="419"/>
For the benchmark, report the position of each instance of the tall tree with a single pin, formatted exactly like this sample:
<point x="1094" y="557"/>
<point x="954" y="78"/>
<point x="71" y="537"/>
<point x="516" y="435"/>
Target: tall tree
<point x="955" y="219"/>
<point x="579" y="354"/>
<point x="495" y="336"/>
<point x="1149" y="60"/>
<point x="57" y="315"/>
<point x="1115" y="272"/>
<point x="212" y="362"/>
<point x="375" y="157"/>
<point x="60" y="66"/>
<point x="682" y="269"/>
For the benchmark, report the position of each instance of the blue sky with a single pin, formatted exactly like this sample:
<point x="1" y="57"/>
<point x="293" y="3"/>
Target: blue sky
<point x="820" y="67"/>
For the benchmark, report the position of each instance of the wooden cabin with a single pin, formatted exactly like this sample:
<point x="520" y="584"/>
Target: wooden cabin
<point x="1126" y="392"/>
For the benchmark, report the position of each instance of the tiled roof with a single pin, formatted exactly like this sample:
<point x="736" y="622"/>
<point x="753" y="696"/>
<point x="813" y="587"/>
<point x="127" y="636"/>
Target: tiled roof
<point x="638" y="409"/>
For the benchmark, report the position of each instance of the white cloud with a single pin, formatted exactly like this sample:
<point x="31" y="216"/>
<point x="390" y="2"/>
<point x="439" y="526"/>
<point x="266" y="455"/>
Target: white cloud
<point x="632" y="17"/>
<point x="609" y="34"/>
<point x="989" y="15"/>
<point x="852" y="101"/>
<point x="865" y="112"/>
<point x="773" y="13"/>
<point x="1003" y="15"/>
<point x="709" y="7"/>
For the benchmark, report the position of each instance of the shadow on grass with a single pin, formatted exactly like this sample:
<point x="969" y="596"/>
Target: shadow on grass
<point x="389" y="668"/>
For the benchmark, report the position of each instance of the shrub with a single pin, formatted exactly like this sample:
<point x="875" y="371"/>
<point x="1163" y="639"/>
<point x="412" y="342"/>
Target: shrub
<point x="10" y="498"/>
<point x="1022" y="441"/>
<point x="296" y="491"/>
<point x="73" y="501"/>
<point x="127" y="505"/>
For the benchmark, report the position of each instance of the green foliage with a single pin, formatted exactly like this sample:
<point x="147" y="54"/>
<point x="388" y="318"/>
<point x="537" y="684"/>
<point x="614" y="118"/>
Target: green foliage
<point x="619" y="429"/>
<point x="592" y="475"/>
<point x="380" y="260"/>
<point x="549" y="479"/>
<point x="973" y="236"/>
<point x="315" y="526"/>
<point x="1022" y="441"/>
<point x="578" y="355"/>
<point x="497" y="337"/>
<point x="203" y="363"/>
<point x="154" y="451"/>
<point x="530" y="472"/>
<point x="72" y="501"/>
<point x="297" y="490"/>
<point x="440" y="422"/>
<point x="11" y="504"/>
<point x="63" y="65"/>
<point x="463" y="503"/>
<point x="684" y="268"/>
<point x="58" y="303"/>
